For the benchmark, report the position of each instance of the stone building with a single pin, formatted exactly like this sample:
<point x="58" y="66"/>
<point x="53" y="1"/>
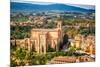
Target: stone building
<point x="87" y="44"/>
<point x="76" y="43"/>
<point x="42" y="38"/>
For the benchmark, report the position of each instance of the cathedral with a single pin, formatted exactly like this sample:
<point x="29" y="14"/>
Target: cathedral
<point x="42" y="38"/>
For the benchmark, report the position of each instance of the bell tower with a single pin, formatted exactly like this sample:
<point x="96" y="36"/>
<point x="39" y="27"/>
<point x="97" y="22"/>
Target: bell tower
<point x="59" y="22"/>
<point x="59" y="27"/>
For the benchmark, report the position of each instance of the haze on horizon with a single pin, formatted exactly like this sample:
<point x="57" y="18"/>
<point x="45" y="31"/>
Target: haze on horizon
<point x="48" y="3"/>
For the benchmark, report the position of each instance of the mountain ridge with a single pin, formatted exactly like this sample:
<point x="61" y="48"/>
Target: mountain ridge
<point x="15" y="6"/>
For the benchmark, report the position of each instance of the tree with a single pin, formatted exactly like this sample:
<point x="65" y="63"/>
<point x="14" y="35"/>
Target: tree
<point x="65" y="41"/>
<point x="50" y="49"/>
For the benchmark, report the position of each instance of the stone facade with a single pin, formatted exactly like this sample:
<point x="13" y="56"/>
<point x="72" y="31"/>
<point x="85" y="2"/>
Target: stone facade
<point x="43" y="37"/>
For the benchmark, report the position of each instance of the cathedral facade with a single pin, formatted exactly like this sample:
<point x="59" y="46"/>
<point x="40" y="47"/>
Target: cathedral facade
<point x="42" y="38"/>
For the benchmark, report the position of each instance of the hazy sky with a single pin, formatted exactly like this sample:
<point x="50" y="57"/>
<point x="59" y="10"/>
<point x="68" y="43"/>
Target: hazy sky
<point x="73" y="3"/>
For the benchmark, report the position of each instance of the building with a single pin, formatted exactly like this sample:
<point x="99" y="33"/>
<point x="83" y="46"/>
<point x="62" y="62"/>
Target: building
<point x="42" y="38"/>
<point x="70" y="59"/>
<point x="87" y="44"/>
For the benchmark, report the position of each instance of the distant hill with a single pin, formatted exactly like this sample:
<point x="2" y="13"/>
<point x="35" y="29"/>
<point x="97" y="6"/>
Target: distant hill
<point x="15" y="6"/>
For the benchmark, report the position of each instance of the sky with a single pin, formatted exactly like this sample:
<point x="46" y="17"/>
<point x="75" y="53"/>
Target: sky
<point x="87" y="4"/>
